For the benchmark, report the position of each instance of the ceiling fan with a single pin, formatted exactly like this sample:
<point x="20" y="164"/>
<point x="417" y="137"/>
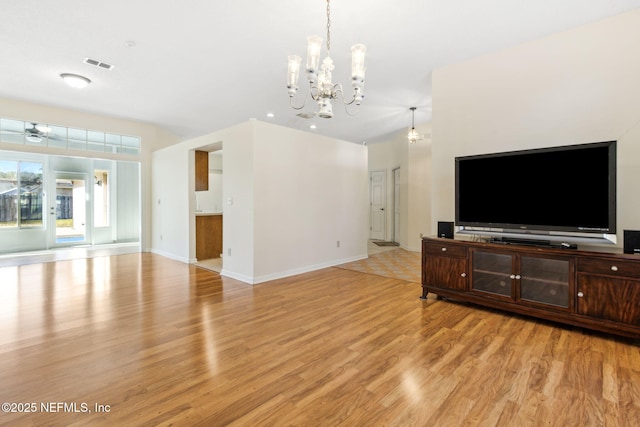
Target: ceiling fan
<point x="35" y="133"/>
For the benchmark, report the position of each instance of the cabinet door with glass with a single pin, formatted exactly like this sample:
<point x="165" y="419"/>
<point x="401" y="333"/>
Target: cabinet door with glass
<point x="545" y="281"/>
<point x="526" y="279"/>
<point x="492" y="273"/>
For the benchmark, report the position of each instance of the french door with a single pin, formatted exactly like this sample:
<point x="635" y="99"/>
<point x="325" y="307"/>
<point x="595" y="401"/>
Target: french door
<point x="68" y="209"/>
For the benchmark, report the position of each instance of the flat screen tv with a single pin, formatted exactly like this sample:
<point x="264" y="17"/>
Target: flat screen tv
<point x="559" y="189"/>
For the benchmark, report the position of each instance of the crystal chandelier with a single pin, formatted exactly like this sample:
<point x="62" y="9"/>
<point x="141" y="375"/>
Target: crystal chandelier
<point x="321" y="89"/>
<point x="413" y="134"/>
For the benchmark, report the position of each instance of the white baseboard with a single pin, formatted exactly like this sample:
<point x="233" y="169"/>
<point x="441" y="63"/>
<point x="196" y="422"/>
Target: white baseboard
<point x="240" y="277"/>
<point x="290" y="272"/>
<point x="170" y="255"/>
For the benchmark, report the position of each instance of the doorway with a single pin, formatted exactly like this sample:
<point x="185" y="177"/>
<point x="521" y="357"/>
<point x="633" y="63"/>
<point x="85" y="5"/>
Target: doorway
<point x="68" y="207"/>
<point x="396" y="205"/>
<point x="378" y="181"/>
<point x="209" y="211"/>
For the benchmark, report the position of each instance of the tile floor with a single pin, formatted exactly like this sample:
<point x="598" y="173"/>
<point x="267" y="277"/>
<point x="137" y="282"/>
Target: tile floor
<point x="393" y="262"/>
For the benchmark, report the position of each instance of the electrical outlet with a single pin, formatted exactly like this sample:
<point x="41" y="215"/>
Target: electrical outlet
<point x="229" y="251"/>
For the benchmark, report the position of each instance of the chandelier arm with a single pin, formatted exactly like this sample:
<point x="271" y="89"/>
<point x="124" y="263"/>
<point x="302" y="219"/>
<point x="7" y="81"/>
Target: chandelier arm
<point x="346" y="109"/>
<point x="304" y="102"/>
<point x="315" y="96"/>
<point x="293" y="106"/>
<point x="339" y="90"/>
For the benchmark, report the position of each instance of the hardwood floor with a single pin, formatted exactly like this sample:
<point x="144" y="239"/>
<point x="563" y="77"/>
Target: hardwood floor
<point x="158" y="342"/>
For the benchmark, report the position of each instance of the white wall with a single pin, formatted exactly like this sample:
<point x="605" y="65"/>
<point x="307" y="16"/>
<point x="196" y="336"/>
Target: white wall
<point x="127" y="209"/>
<point x="293" y="196"/>
<point x="414" y="161"/>
<point x="419" y="185"/>
<point x="310" y="192"/>
<point x="238" y="228"/>
<point x="574" y="87"/>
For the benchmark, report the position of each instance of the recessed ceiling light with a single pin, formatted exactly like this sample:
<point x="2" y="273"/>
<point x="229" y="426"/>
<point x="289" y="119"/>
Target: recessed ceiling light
<point x="75" y="80"/>
<point x="270" y="115"/>
<point x="312" y="126"/>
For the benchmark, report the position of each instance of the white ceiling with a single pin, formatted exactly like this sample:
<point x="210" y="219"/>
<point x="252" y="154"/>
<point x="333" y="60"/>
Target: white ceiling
<point x="203" y="65"/>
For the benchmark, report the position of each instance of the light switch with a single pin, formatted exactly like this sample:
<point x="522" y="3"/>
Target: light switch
<point x="230" y="201"/>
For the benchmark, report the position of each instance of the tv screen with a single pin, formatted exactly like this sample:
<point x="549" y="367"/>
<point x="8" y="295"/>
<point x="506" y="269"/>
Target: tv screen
<point x="569" y="188"/>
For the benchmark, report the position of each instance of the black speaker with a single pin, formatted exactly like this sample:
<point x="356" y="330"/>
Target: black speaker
<point x="445" y="229"/>
<point x="631" y="241"/>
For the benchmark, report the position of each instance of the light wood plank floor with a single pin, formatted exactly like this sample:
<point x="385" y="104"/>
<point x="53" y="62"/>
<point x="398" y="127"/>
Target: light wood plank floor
<point x="165" y="343"/>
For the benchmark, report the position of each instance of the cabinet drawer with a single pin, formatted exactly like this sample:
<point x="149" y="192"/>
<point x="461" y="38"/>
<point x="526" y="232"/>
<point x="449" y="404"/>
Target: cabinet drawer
<point x="609" y="267"/>
<point x="445" y="248"/>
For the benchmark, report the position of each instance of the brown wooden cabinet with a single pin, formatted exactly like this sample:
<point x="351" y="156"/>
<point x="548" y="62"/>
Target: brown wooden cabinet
<point x="588" y="289"/>
<point x="609" y="288"/>
<point x="202" y="170"/>
<point x="208" y="236"/>
<point x="446" y="264"/>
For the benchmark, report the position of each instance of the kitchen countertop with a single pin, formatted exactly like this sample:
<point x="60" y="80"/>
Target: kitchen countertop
<point x="208" y="213"/>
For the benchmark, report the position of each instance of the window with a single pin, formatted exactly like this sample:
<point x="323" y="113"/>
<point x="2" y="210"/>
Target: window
<point x="8" y="194"/>
<point x="20" y="194"/>
<point x="46" y="135"/>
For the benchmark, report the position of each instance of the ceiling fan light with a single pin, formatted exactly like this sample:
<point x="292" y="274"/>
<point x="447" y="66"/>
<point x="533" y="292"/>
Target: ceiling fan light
<point x="75" y="80"/>
<point x="33" y="138"/>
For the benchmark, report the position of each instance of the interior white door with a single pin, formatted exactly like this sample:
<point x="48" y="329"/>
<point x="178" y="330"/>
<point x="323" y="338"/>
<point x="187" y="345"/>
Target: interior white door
<point x="378" y="180"/>
<point x="396" y="205"/>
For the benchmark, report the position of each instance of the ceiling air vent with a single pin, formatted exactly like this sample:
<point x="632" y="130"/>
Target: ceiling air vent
<point x="97" y="63"/>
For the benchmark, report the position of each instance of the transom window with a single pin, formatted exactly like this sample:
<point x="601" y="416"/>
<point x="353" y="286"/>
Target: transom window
<point x="47" y="135"/>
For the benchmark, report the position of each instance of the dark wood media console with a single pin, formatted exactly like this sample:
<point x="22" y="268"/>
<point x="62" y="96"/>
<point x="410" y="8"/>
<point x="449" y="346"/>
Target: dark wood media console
<point x="594" y="290"/>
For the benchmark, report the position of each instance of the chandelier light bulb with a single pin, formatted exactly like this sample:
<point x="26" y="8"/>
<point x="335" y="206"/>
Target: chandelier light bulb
<point x="293" y="74"/>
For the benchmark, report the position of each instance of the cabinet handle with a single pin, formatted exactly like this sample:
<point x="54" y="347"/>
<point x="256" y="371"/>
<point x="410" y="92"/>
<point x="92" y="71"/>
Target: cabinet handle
<point x="444" y="249"/>
<point x="580" y="294"/>
<point x="614" y="268"/>
<point x="513" y="276"/>
<point x="463" y="275"/>
<point x="518" y="277"/>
